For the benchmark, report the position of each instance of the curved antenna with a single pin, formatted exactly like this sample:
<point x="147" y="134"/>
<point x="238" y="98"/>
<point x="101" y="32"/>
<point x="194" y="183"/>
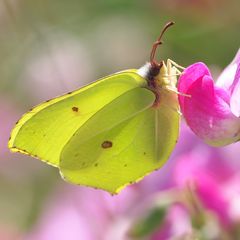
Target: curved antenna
<point x="153" y="62"/>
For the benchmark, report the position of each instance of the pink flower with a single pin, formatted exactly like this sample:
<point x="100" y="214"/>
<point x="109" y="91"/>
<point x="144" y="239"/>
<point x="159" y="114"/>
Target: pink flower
<point x="212" y="111"/>
<point x="84" y="213"/>
<point x="177" y="224"/>
<point x="200" y="174"/>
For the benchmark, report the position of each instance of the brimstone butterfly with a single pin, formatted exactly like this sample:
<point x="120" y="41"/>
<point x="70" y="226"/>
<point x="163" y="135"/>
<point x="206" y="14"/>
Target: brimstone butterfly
<point x="109" y="133"/>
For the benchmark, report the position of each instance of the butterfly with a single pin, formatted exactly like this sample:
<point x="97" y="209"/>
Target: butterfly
<point x="110" y="133"/>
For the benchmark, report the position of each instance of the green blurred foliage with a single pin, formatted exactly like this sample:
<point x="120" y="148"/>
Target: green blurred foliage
<point x="148" y="223"/>
<point x="205" y="30"/>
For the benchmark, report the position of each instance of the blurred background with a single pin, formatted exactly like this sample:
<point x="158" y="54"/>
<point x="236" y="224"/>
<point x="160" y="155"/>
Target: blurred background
<point x="50" y="47"/>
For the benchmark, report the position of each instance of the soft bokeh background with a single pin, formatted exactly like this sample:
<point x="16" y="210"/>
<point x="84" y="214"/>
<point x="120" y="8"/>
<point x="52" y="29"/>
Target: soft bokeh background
<point x="51" y="47"/>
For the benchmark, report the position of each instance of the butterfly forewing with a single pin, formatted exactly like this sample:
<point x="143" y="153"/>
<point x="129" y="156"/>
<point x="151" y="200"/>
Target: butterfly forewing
<point x="45" y="130"/>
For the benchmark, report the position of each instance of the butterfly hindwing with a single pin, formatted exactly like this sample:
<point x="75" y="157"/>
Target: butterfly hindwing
<point x="120" y="144"/>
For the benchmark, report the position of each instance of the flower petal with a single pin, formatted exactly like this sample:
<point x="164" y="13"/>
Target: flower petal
<point x="189" y="76"/>
<point x="225" y="80"/>
<point x="193" y="171"/>
<point x="235" y="96"/>
<point x="207" y="111"/>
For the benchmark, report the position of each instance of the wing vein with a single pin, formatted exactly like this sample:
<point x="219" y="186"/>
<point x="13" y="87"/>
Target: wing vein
<point x="141" y="123"/>
<point x="123" y="120"/>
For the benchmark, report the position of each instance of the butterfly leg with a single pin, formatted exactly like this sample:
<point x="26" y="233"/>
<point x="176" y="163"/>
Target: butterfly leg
<point x="169" y="61"/>
<point x="171" y="89"/>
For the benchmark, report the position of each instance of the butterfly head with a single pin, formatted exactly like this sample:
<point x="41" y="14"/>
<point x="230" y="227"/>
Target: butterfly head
<point x="160" y="75"/>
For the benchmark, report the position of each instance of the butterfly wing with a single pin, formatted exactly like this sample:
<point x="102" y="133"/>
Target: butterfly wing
<point x="44" y="131"/>
<point x="121" y="143"/>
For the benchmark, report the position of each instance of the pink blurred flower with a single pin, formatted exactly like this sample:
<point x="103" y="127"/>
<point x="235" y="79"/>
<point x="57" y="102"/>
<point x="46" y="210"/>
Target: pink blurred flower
<point x="177" y="224"/>
<point x="213" y="177"/>
<point x="59" y="61"/>
<point x="232" y="192"/>
<point x="200" y="173"/>
<point x="83" y="213"/>
<point x="213" y="110"/>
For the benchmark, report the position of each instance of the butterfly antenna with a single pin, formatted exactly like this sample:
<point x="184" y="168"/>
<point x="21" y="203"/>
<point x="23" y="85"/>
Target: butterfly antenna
<point x="153" y="62"/>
